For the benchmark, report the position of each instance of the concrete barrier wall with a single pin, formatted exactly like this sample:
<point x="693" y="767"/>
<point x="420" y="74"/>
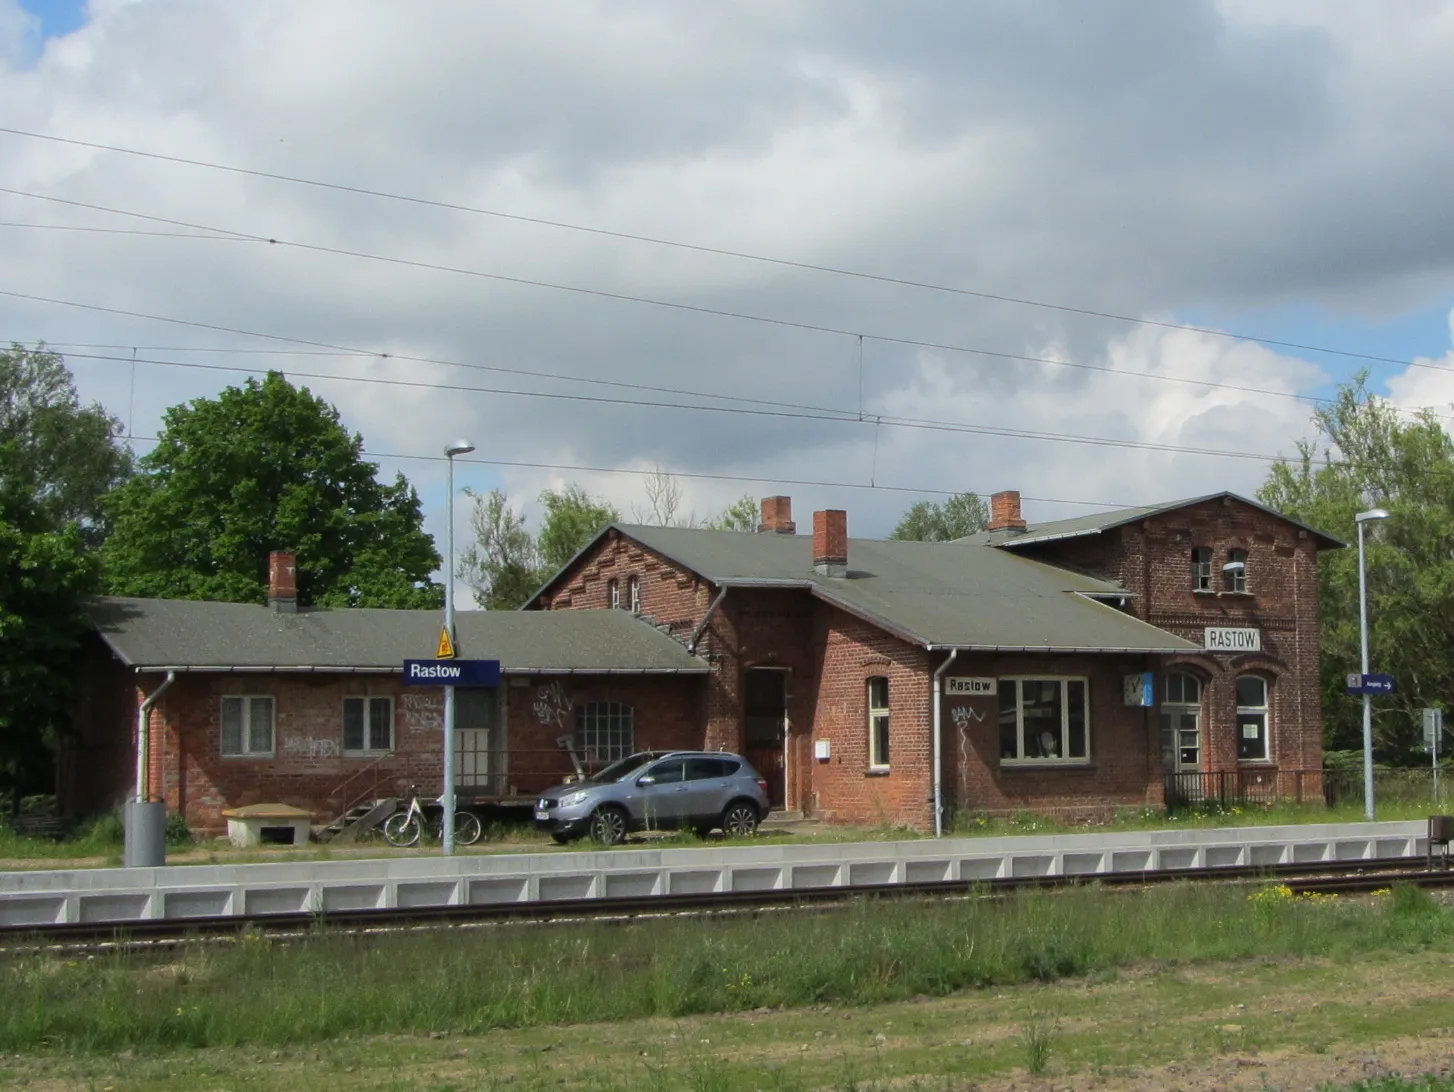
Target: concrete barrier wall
<point x="191" y="891"/>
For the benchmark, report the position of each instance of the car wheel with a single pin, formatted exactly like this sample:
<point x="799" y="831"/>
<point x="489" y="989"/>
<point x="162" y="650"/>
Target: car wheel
<point x="740" y="818"/>
<point x="608" y="826"/>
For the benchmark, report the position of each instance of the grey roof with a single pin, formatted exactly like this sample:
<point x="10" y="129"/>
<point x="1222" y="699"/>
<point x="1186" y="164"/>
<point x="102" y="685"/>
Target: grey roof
<point x="200" y="636"/>
<point x="931" y="593"/>
<point x="1120" y="517"/>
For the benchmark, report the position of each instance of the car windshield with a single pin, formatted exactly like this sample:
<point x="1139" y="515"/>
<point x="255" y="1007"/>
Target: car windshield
<point x="621" y="767"/>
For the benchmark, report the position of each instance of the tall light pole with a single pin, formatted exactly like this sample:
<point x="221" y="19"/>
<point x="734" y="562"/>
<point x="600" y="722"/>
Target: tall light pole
<point x="458" y="447"/>
<point x="1361" y="518"/>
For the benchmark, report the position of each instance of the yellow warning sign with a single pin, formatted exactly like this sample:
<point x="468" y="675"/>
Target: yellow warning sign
<point x="446" y="646"/>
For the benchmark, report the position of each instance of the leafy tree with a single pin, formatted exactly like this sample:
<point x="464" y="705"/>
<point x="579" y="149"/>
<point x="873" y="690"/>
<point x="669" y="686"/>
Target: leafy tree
<point x="262" y="467"/>
<point x="63" y="456"/>
<point x="1368" y="457"/>
<point x="572" y="518"/>
<point x="929" y="521"/>
<point x="46" y="571"/>
<point x="502" y="566"/>
<point x="741" y="515"/>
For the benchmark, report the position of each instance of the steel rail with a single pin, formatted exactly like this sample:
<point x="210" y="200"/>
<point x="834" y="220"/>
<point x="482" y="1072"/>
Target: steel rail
<point x="1324" y="876"/>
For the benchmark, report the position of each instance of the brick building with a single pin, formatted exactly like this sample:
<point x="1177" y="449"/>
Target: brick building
<point x="307" y="707"/>
<point x="1075" y="666"/>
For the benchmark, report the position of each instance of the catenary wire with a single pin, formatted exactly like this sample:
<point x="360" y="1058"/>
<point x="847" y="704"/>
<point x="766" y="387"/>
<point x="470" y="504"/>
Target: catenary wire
<point x="675" y="305"/>
<point x="840" y="416"/>
<point x="704" y="249"/>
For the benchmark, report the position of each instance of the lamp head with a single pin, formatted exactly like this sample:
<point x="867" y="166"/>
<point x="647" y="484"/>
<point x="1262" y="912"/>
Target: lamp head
<point x="458" y="447"/>
<point x="1371" y="514"/>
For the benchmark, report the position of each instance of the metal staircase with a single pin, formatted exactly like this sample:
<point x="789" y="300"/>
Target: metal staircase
<point x="357" y="820"/>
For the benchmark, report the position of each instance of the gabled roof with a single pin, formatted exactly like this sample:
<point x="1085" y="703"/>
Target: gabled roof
<point x="1107" y="521"/>
<point x="188" y="635"/>
<point x="931" y="593"/>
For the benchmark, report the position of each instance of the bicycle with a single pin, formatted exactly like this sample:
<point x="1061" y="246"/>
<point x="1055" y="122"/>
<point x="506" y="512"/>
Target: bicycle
<point x="403" y="828"/>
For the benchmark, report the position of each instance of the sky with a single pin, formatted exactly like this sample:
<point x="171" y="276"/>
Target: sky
<point x="858" y="253"/>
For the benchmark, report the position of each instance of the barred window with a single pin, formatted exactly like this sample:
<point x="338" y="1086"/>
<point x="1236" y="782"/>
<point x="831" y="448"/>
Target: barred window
<point x="247" y="726"/>
<point x="606" y="730"/>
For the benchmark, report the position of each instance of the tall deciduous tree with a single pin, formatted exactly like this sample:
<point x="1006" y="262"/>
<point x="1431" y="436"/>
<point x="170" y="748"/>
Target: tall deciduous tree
<point x="929" y="521"/>
<point x="502" y="565"/>
<point x="1368" y="457"/>
<point x="64" y="457"/>
<point x="262" y="467"/>
<point x="741" y="515"/>
<point x="572" y="518"/>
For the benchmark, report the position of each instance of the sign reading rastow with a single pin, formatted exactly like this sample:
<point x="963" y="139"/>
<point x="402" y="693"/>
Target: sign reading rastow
<point x="451" y="672"/>
<point x="1221" y="639"/>
<point x="965" y="687"/>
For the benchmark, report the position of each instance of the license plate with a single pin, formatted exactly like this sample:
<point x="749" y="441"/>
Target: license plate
<point x="541" y="813"/>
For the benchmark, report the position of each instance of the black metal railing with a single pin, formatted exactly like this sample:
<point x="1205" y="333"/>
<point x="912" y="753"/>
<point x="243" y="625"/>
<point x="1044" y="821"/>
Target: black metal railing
<point x="1328" y="787"/>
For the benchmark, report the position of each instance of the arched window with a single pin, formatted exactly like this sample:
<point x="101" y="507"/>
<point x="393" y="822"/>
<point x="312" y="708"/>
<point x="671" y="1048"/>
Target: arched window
<point x="1253" y="715"/>
<point x="1181" y="723"/>
<point x="605" y="730"/>
<point x="633" y="591"/>
<point x="1201" y="568"/>
<point x="1236" y="571"/>
<point x="613" y="594"/>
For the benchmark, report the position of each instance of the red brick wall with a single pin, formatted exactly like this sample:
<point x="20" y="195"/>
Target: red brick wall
<point x="1124" y="767"/>
<point x="1153" y="560"/>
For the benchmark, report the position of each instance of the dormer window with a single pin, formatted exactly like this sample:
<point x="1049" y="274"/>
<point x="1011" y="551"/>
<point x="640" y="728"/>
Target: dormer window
<point x="1201" y="569"/>
<point x="613" y="594"/>
<point x="1235" y="571"/>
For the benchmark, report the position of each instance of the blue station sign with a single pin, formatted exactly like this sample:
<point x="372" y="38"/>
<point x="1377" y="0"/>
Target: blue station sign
<point x="1370" y="684"/>
<point x="451" y="672"/>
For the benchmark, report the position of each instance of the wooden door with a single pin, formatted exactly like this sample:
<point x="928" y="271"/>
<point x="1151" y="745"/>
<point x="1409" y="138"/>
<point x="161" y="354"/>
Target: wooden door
<point x="765" y="718"/>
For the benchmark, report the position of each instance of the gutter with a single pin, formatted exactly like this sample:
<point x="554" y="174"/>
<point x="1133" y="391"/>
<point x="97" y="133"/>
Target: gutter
<point x="702" y="625"/>
<point x="143" y="719"/>
<point x="939" y="747"/>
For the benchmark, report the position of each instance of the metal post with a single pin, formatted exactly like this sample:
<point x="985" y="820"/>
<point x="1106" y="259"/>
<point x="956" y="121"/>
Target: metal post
<point x="447" y="797"/>
<point x="1367" y="701"/>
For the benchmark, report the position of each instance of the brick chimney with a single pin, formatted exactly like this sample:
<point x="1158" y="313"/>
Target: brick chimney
<point x="283" y="582"/>
<point x="1005" y="512"/>
<point x="777" y="516"/>
<point x="830" y="542"/>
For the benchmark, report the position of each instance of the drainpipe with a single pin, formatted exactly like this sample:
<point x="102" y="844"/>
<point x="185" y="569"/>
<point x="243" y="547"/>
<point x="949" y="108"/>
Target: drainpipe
<point x="938" y="745"/>
<point x="143" y="716"/>
<point x="702" y="625"/>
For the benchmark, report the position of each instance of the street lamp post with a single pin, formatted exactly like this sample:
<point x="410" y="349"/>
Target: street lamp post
<point x="1360" y="519"/>
<point x="446" y="827"/>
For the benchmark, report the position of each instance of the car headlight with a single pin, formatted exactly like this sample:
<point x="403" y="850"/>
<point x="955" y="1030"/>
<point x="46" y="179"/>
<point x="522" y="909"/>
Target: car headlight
<point x="571" y="799"/>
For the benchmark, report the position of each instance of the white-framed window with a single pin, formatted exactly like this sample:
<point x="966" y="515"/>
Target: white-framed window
<point x="1181" y="723"/>
<point x="878" y="723"/>
<point x="1253" y="717"/>
<point x="1044" y="719"/>
<point x="1201" y="568"/>
<point x="247" y="726"/>
<point x="613" y="595"/>
<point x="368" y="725"/>
<point x="606" y="730"/>
<point x="633" y="594"/>
<point x="1236" y="571"/>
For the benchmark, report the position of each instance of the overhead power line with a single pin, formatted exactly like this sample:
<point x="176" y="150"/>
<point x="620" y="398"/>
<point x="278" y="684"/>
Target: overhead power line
<point x="853" y="335"/>
<point x="704" y="249"/>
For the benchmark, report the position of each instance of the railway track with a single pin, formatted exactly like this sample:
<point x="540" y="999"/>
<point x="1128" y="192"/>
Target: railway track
<point x="1352" y="877"/>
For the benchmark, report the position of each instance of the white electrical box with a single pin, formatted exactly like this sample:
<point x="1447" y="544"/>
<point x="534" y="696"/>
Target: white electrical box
<point x="822" y="749"/>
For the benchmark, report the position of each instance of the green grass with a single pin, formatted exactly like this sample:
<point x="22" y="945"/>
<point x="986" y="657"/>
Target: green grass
<point x="256" y="992"/>
<point x="1429" y="1083"/>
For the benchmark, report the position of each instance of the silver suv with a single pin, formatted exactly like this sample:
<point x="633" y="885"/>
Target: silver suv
<point x="656" y="790"/>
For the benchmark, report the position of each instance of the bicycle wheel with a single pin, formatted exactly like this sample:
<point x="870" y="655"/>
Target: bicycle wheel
<point x="466" y="828"/>
<point x="401" y="829"/>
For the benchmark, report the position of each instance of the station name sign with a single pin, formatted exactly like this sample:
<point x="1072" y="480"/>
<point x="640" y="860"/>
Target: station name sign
<point x="451" y="672"/>
<point x="966" y="687"/>
<point x="1221" y="639"/>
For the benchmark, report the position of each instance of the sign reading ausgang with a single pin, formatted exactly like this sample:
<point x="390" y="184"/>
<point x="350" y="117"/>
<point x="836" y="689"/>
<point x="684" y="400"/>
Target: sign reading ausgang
<point x="451" y="672"/>
<point x="963" y="686"/>
<point x="1221" y="639"/>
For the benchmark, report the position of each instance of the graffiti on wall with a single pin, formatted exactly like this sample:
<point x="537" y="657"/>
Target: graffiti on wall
<point x="552" y="704"/>
<point x="423" y="712"/>
<point x="963" y="716"/>
<point x="309" y="747"/>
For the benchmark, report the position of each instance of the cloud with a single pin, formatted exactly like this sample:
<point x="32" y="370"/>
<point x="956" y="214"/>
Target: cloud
<point x="1133" y="157"/>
